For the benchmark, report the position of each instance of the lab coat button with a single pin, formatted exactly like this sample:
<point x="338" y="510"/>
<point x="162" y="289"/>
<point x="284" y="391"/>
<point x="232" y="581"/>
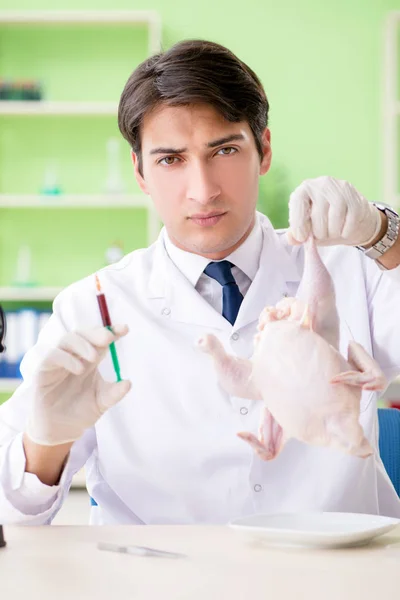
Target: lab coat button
<point x="166" y="311"/>
<point x="257" y="487"/>
<point x="235" y="336"/>
<point x="244" y="410"/>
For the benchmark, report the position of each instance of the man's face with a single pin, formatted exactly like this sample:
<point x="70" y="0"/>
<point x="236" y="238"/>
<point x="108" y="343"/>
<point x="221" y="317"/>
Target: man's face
<point x="202" y="174"/>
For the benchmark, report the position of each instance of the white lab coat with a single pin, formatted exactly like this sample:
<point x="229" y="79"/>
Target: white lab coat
<point x="168" y="452"/>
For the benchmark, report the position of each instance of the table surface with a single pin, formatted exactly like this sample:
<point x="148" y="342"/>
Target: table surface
<point x="57" y="562"/>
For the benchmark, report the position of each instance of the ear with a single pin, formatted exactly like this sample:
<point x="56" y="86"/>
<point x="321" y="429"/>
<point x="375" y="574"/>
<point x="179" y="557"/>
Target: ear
<point x="267" y="152"/>
<point x="138" y="176"/>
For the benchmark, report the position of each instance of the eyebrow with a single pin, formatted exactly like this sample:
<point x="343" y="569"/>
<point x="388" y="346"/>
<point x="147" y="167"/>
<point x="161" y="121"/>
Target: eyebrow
<point x="235" y="137"/>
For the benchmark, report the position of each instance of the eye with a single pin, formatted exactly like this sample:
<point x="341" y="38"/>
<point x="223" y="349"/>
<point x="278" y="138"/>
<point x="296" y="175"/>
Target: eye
<point x="168" y="160"/>
<point x="227" y="151"/>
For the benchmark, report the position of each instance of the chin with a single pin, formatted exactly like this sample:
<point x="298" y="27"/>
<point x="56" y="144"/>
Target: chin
<point x="215" y="246"/>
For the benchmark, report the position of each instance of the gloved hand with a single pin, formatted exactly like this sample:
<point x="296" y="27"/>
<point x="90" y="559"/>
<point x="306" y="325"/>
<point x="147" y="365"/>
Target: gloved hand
<point x="334" y="212"/>
<point x="70" y="394"/>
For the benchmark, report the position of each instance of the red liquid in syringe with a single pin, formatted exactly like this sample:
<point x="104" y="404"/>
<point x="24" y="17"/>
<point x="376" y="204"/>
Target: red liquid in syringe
<point x="101" y="300"/>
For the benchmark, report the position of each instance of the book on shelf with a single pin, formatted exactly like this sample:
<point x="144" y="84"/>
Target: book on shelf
<point x="23" y="328"/>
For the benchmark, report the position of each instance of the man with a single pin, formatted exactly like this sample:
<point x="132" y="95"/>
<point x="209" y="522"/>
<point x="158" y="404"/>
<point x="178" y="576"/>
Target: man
<point x="161" y="445"/>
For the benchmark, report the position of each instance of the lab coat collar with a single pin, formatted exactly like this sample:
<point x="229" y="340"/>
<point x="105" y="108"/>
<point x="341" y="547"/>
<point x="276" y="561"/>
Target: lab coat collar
<point x="189" y="264"/>
<point x="181" y="301"/>
<point x="186" y="305"/>
<point x="246" y="257"/>
<point x="278" y="266"/>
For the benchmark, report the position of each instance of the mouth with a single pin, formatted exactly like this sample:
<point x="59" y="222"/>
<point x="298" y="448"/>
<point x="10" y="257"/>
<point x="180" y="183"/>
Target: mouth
<point x="207" y="220"/>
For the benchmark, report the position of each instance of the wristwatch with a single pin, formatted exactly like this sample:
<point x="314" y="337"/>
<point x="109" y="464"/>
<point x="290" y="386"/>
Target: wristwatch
<point x="390" y="236"/>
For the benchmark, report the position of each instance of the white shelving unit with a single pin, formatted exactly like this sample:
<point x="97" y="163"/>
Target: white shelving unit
<point x="40" y="108"/>
<point x="151" y="18"/>
<point x="110" y="202"/>
<point x="87" y="201"/>
<point x="75" y="201"/>
<point x="46" y="294"/>
<point x="391" y="111"/>
<point x="8" y="386"/>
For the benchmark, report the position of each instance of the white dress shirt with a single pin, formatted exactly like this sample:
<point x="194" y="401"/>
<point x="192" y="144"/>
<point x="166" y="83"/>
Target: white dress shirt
<point x="245" y="259"/>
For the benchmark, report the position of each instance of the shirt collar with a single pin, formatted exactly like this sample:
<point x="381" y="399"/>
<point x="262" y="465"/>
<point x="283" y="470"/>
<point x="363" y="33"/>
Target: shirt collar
<point x="246" y="257"/>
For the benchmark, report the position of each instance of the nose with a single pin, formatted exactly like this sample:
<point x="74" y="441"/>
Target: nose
<point x="202" y="187"/>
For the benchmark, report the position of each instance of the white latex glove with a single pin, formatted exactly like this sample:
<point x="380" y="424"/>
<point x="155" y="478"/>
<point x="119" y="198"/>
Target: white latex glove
<point x="334" y="212"/>
<point x="70" y="394"/>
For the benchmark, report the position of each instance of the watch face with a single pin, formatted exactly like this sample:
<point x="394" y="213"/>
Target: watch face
<point x="382" y="206"/>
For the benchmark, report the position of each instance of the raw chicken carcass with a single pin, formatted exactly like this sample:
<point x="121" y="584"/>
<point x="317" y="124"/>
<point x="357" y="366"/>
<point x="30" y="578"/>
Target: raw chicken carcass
<point x="309" y="390"/>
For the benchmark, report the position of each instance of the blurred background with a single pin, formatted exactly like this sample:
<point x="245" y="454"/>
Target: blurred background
<point x="68" y="200"/>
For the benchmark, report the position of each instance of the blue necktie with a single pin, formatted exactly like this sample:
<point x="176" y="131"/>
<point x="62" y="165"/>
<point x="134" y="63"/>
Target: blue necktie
<point x="231" y="296"/>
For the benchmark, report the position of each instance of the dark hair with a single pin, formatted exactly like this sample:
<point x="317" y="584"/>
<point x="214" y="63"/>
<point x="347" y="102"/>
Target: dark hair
<point x="192" y="72"/>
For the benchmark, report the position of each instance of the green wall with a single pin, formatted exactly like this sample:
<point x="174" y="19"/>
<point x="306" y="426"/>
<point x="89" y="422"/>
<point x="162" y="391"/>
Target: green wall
<point x="321" y="64"/>
<point x="319" y="61"/>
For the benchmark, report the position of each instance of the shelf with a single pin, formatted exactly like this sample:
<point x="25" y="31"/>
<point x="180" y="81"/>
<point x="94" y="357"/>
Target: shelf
<point x="46" y="108"/>
<point x="9" y="385"/>
<point x="391" y="109"/>
<point x="88" y="17"/>
<point x="75" y="201"/>
<point x="65" y="17"/>
<point x="94" y="201"/>
<point x="34" y="294"/>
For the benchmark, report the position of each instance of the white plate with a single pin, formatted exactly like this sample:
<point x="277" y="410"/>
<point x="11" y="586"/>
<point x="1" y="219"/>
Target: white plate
<point x="318" y="530"/>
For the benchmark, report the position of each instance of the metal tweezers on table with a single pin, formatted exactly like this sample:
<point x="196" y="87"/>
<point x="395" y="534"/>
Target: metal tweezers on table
<point x="138" y="550"/>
